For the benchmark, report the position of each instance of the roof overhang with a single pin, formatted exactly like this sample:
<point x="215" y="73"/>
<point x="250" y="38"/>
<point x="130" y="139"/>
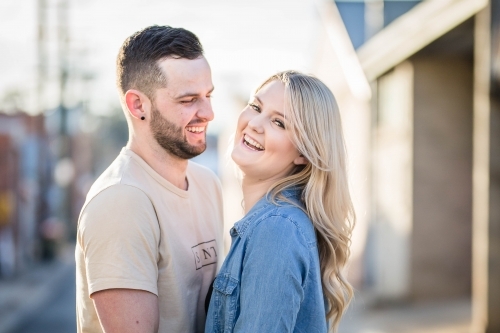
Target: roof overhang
<point x="345" y="54"/>
<point x="413" y="31"/>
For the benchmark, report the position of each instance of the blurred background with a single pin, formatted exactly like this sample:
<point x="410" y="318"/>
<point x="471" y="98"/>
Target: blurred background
<point x="417" y="83"/>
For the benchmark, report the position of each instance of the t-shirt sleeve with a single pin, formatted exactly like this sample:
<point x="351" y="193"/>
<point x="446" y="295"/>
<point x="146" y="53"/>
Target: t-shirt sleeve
<point x="119" y="235"/>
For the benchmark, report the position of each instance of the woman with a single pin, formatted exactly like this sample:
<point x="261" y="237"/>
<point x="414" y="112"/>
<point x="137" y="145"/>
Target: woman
<point x="283" y="272"/>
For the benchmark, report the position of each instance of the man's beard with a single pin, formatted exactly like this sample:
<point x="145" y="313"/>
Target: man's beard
<point x="171" y="137"/>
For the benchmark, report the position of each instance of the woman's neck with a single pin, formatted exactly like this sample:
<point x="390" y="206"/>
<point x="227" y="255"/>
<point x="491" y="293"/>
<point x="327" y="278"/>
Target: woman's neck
<point x="253" y="191"/>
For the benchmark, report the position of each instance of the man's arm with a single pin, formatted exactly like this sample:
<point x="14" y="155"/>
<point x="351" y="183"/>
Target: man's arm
<point x="118" y="233"/>
<point x="127" y="310"/>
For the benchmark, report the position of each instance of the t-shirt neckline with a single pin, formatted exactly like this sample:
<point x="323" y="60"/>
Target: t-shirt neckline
<point x="165" y="183"/>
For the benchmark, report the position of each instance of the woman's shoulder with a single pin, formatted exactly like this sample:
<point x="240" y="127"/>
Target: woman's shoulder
<point x="285" y="219"/>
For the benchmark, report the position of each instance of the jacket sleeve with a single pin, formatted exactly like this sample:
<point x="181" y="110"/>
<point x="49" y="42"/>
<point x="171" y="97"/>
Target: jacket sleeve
<point x="274" y="270"/>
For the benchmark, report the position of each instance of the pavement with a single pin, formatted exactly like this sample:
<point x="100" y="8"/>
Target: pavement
<point x="446" y="316"/>
<point x="24" y="296"/>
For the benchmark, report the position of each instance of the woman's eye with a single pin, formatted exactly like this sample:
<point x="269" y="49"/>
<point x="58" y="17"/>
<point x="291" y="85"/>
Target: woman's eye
<point x="279" y="123"/>
<point x="254" y="106"/>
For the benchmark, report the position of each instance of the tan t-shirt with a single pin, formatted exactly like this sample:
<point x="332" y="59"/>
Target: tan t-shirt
<point x="138" y="231"/>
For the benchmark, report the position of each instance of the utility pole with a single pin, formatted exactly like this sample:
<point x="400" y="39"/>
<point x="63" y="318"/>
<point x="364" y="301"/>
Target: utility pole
<point x="41" y="55"/>
<point x="63" y="45"/>
<point x="65" y="162"/>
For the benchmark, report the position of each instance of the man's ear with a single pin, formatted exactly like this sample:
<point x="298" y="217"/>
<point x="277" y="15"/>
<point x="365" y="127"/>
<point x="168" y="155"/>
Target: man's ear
<point x="301" y="160"/>
<point x="138" y="104"/>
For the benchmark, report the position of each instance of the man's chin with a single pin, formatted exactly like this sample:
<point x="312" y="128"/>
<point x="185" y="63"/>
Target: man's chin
<point x="199" y="145"/>
<point x="198" y="150"/>
<point x="194" y="151"/>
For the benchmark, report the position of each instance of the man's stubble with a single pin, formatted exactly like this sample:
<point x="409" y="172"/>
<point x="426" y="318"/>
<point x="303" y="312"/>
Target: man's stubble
<point x="171" y="137"/>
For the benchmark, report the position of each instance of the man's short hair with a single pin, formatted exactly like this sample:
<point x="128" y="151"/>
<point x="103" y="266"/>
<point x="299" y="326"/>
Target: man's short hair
<point x="137" y="62"/>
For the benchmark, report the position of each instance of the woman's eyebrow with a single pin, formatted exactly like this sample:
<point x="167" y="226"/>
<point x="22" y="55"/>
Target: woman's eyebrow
<point x="274" y="111"/>
<point x="258" y="100"/>
<point x="279" y="113"/>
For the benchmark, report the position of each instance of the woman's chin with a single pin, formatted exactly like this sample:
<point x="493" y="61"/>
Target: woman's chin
<point x="238" y="159"/>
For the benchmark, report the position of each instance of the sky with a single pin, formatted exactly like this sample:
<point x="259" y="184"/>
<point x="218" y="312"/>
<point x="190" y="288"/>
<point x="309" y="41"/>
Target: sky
<point x="244" y="42"/>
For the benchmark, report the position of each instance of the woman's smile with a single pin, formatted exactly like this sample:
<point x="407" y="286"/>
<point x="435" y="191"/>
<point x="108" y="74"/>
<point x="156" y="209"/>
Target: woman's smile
<point x="252" y="144"/>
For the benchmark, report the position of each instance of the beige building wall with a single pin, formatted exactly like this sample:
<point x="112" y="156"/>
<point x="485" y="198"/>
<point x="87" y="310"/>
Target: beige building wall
<point x="389" y="253"/>
<point x="420" y="234"/>
<point x="442" y="190"/>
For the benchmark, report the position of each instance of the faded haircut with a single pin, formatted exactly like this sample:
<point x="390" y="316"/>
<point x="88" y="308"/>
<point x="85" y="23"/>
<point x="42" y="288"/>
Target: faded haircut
<point x="137" y="61"/>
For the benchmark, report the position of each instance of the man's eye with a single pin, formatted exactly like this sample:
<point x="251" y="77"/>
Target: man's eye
<point x="254" y="106"/>
<point x="279" y="123"/>
<point x="189" y="101"/>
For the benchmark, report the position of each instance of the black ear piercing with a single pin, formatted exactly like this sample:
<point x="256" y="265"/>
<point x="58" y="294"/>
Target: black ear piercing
<point x="142" y="118"/>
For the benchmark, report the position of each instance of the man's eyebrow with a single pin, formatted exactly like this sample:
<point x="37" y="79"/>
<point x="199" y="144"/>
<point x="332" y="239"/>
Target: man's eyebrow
<point x="192" y="94"/>
<point x="274" y="111"/>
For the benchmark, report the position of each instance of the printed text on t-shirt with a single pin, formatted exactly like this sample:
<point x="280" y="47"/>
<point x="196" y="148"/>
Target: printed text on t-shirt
<point x="205" y="254"/>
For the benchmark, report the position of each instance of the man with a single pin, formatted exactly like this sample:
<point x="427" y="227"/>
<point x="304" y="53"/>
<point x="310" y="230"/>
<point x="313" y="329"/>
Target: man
<point x="150" y="232"/>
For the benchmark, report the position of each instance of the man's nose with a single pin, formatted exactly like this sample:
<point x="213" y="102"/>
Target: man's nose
<point x="205" y="111"/>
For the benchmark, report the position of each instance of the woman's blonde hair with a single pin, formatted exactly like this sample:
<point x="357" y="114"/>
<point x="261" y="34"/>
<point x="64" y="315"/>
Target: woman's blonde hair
<point x="313" y="119"/>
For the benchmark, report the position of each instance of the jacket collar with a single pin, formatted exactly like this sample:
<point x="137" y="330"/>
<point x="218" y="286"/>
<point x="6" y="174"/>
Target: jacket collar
<point x="241" y="226"/>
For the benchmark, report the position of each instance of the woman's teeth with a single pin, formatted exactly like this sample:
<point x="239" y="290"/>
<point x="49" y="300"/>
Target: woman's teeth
<point x="252" y="144"/>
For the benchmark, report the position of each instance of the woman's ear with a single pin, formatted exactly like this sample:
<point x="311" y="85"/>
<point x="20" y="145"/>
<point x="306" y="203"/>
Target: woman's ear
<point x="301" y="160"/>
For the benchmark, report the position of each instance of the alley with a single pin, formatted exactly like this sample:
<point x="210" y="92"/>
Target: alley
<point x="58" y="315"/>
<point x="42" y="299"/>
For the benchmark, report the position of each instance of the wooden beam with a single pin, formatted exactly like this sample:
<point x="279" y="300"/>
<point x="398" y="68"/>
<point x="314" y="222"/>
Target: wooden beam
<point x="493" y="324"/>
<point x="486" y="171"/>
<point x="480" y="171"/>
<point x="413" y="31"/>
<point x="344" y="50"/>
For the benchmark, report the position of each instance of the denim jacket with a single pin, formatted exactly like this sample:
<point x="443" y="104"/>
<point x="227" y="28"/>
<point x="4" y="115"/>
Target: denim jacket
<point x="270" y="280"/>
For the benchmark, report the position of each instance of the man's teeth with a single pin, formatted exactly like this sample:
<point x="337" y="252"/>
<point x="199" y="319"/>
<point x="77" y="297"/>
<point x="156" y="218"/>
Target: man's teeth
<point x="253" y="143"/>
<point x="195" y="129"/>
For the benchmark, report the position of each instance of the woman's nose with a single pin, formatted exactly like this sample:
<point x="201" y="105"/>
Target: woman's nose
<point x="256" y="124"/>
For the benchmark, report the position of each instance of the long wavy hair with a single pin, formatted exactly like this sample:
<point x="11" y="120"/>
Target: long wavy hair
<point x="315" y="126"/>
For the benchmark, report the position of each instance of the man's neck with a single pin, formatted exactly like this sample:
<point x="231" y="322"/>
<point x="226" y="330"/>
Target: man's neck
<point x="173" y="169"/>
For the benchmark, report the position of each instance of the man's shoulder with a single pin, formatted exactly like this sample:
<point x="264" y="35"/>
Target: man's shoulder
<point x="121" y="192"/>
<point x="113" y="174"/>
<point x="118" y="182"/>
<point x="123" y="170"/>
<point x="117" y="197"/>
<point x="202" y="174"/>
<point x="200" y="170"/>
